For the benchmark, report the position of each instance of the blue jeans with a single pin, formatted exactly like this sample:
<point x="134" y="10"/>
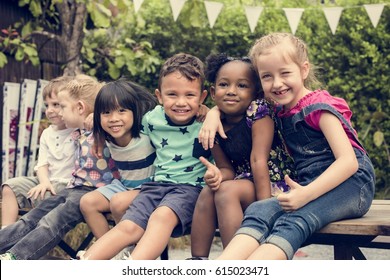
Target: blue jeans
<point x="267" y="222"/>
<point x="43" y="227"/>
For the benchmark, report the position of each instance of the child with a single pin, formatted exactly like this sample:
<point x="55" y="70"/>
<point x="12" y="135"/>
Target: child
<point x="42" y="228"/>
<point x="336" y="177"/>
<point x="119" y="108"/>
<point x="55" y="161"/>
<point x="246" y="162"/>
<point x="165" y="206"/>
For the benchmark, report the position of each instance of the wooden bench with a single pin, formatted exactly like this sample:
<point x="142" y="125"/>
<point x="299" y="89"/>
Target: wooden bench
<point x="348" y="236"/>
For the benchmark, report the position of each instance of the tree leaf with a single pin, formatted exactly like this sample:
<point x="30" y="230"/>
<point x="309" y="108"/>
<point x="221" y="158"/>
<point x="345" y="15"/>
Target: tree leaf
<point x="378" y="138"/>
<point x="3" y="60"/>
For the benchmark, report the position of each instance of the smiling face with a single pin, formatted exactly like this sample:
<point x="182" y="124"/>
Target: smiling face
<point x="281" y="78"/>
<point x="180" y="97"/>
<point x="118" y="124"/>
<point x="234" y="89"/>
<point x="52" y="110"/>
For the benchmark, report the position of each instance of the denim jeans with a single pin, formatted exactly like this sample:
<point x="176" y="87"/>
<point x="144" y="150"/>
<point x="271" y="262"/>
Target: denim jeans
<point x="266" y="221"/>
<point x="43" y="227"/>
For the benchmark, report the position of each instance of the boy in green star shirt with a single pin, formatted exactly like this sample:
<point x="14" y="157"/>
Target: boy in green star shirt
<point x="164" y="207"/>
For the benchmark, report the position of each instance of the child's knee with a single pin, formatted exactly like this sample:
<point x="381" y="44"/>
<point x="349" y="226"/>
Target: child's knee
<point x="7" y="191"/>
<point x="87" y="202"/>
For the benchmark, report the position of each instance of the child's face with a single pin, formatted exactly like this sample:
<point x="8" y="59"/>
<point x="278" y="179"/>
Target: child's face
<point x="180" y="97"/>
<point x="281" y="78"/>
<point x="234" y="89"/>
<point x="70" y="111"/>
<point x="118" y="124"/>
<point x="52" y="110"/>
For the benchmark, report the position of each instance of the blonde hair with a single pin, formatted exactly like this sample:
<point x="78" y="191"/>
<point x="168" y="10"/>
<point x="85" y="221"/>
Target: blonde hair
<point x="54" y="85"/>
<point x="85" y="88"/>
<point x="294" y="48"/>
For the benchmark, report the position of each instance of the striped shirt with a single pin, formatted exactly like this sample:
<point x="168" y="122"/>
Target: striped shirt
<point x="135" y="161"/>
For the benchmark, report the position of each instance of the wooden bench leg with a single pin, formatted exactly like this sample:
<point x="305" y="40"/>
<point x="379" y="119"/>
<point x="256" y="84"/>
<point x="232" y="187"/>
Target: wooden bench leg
<point x="342" y="252"/>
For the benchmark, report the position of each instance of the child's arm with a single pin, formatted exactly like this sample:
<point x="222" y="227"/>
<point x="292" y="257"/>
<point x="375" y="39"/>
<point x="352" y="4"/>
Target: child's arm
<point x="44" y="184"/>
<point x="340" y="170"/>
<point x="262" y="138"/>
<point x="211" y="125"/>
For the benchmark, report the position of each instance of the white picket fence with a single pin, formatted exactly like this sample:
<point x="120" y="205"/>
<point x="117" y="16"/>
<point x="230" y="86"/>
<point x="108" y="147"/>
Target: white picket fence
<point x="23" y="111"/>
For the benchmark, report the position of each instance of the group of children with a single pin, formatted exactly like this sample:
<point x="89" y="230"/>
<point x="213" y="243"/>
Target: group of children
<point x="271" y="163"/>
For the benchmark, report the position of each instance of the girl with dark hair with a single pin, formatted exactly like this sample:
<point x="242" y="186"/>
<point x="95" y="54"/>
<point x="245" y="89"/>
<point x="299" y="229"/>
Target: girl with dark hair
<point x="250" y="163"/>
<point x="119" y="108"/>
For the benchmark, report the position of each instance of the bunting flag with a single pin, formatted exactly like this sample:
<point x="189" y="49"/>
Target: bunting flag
<point x="293" y="16"/>
<point x="176" y="6"/>
<point x="333" y="17"/>
<point x="252" y="15"/>
<point x="137" y="5"/>
<point x="374" y="12"/>
<point x="212" y="9"/>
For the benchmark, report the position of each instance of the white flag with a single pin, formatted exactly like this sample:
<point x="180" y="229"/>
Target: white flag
<point x="333" y="17"/>
<point x="252" y="15"/>
<point x="293" y="16"/>
<point x="374" y="11"/>
<point x="213" y="9"/>
<point x="176" y="6"/>
<point x="137" y="5"/>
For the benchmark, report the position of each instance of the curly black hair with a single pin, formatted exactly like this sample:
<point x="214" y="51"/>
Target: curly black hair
<point x="214" y="62"/>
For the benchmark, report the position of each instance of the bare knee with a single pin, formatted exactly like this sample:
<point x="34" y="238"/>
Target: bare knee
<point x="7" y="192"/>
<point x="90" y="202"/>
<point x="205" y="200"/>
<point x="118" y="207"/>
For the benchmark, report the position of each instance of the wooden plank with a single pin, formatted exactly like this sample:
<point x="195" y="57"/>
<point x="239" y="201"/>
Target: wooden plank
<point x="375" y="222"/>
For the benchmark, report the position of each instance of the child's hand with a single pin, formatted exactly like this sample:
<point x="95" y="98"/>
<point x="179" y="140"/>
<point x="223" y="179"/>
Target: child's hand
<point x="97" y="149"/>
<point x="213" y="176"/>
<point x="211" y="125"/>
<point x="201" y="115"/>
<point x="88" y="122"/>
<point x="40" y="190"/>
<point x="295" y="198"/>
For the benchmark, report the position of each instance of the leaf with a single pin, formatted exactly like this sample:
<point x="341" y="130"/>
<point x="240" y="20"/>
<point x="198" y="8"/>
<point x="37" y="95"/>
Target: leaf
<point x="3" y="60"/>
<point x="30" y="51"/>
<point x="378" y="138"/>
<point x="113" y="71"/>
<point x="35" y="8"/>
<point x="27" y="29"/>
<point x="100" y="15"/>
<point x="19" y="55"/>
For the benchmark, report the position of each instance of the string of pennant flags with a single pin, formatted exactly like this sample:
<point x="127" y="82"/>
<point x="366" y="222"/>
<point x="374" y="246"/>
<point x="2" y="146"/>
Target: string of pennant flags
<point x="293" y="15"/>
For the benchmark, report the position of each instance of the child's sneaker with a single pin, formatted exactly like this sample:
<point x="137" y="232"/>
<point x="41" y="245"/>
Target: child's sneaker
<point x="7" y="256"/>
<point x="80" y="255"/>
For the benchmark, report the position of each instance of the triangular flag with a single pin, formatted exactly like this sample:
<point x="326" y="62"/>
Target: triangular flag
<point x="176" y="6"/>
<point x="252" y="15"/>
<point x="137" y="5"/>
<point x="213" y="9"/>
<point x="333" y="17"/>
<point x="374" y="11"/>
<point x="293" y="16"/>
